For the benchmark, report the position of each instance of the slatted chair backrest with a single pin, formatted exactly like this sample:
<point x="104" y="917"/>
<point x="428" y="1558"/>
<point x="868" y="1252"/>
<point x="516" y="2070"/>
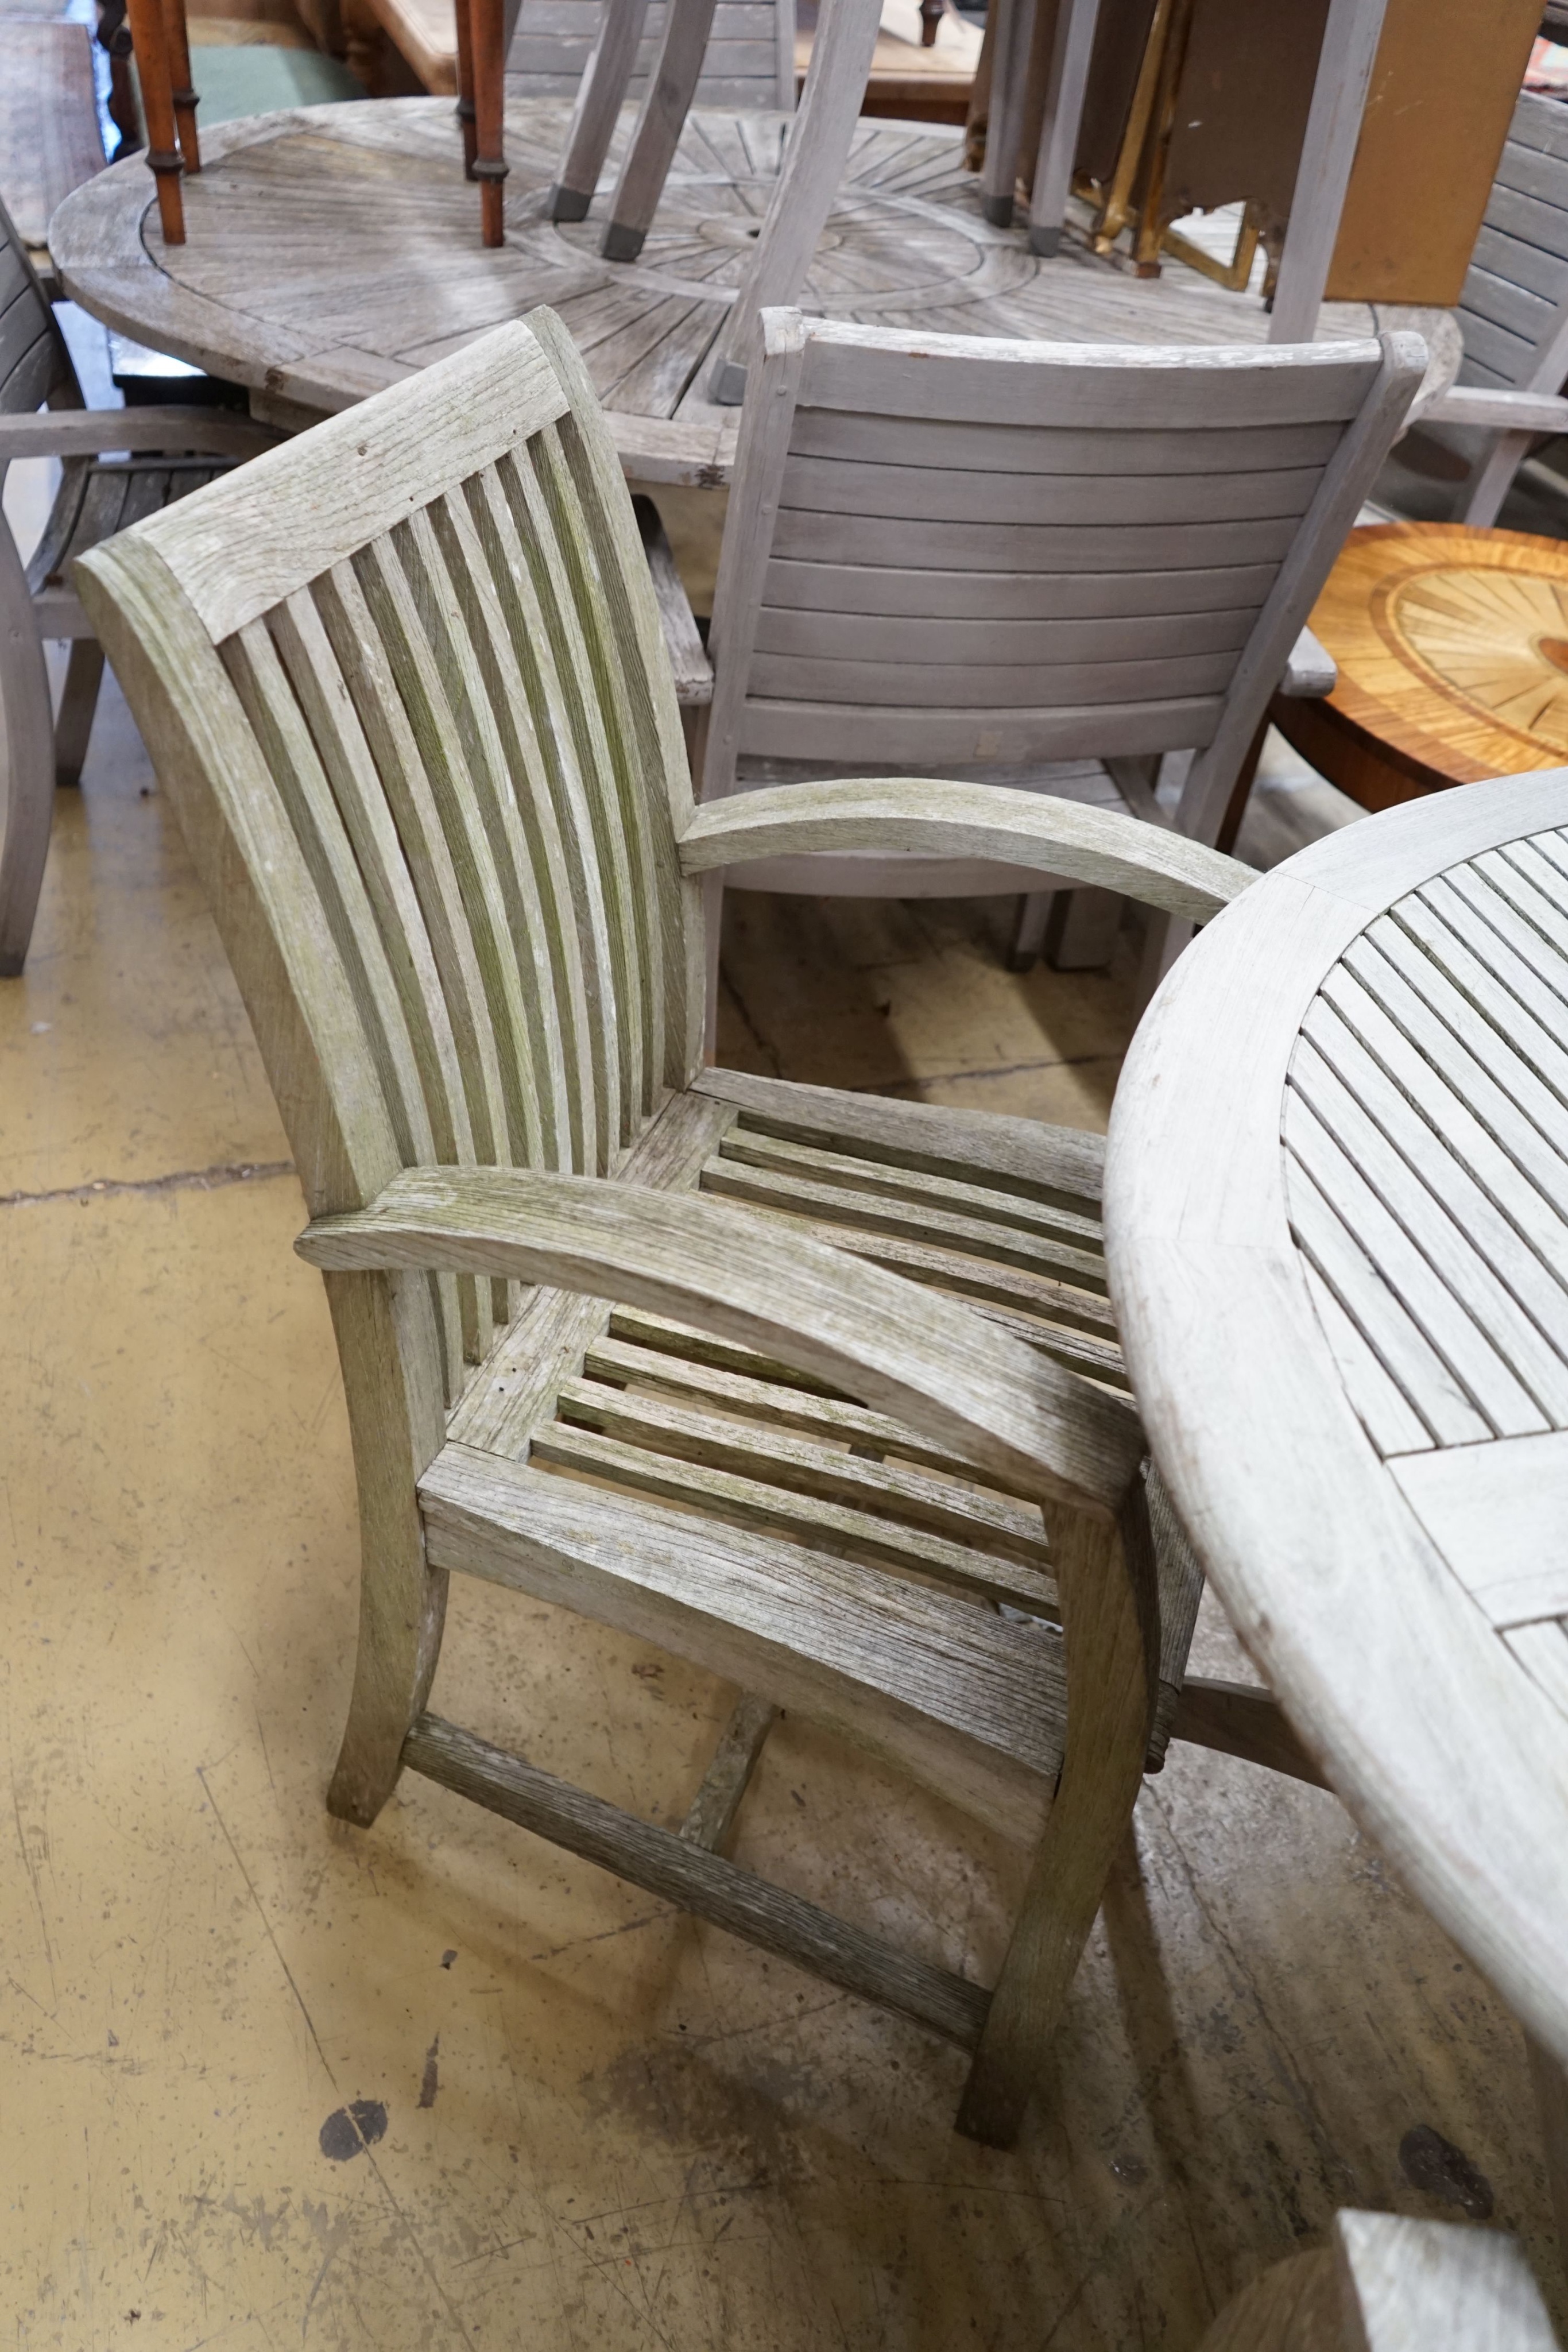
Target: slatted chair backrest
<point x="750" y="58"/>
<point x="947" y="551"/>
<point x="35" y="363"/>
<point x="405" y="681"/>
<point x="1513" y="309"/>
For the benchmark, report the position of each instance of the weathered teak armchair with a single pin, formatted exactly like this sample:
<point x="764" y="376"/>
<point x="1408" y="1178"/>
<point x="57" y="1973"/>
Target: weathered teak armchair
<point x="1047" y="563"/>
<point x="404" y="683"/>
<point x="165" y="453"/>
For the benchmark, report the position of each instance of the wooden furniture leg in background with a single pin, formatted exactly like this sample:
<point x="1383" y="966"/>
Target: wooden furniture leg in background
<point x="487" y="32"/>
<point x="1075" y="47"/>
<point x="465" y="110"/>
<point x="804" y="192"/>
<point x="1004" y="132"/>
<point x="659" y="126"/>
<point x="150" y="45"/>
<point x="183" y="93"/>
<point x="1551" y="2104"/>
<point x="1328" y="151"/>
<point x="604" y="82"/>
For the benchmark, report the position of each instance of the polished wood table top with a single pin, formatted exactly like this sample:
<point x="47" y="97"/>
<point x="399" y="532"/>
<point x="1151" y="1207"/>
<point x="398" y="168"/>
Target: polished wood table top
<point x="1336" y="1224"/>
<point x="1452" y="651"/>
<point x="332" y="249"/>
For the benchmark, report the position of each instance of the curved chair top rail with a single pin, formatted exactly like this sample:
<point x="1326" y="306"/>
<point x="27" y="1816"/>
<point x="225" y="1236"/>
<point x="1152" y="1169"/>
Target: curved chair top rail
<point x="1336" y="1216"/>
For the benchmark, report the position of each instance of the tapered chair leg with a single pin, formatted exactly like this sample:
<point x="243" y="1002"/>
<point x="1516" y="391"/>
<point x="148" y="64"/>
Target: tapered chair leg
<point x="659" y="126"/>
<point x="600" y="94"/>
<point x="27" y="732"/>
<point x="1105" y="1575"/>
<point x="403" y="1599"/>
<point x="1493" y="479"/>
<point x="79" y="703"/>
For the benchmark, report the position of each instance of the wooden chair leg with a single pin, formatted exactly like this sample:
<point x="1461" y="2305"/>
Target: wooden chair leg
<point x="825" y="126"/>
<point x="1081" y="928"/>
<point x="1162" y="942"/>
<point x="183" y="91"/>
<point x="79" y="702"/>
<point x="149" y="46"/>
<point x="403" y="1599"/>
<point x="659" y="126"/>
<point x="1105" y="1575"/>
<point x="28" y="735"/>
<point x="713" y="924"/>
<point x="1029" y="930"/>
<point x="1241" y="791"/>
<point x="1493" y="479"/>
<point x="487" y="33"/>
<point x="600" y="96"/>
<point x="1551" y="2104"/>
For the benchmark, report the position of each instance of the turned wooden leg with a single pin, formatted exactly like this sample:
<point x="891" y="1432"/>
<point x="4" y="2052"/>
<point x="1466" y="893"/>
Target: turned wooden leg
<point x="403" y="1599"/>
<point x="1105" y="1573"/>
<point x="183" y="91"/>
<point x="465" y="113"/>
<point x="84" y="676"/>
<point x="26" y="756"/>
<point x="149" y="46"/>
<point x="487" y="31"/>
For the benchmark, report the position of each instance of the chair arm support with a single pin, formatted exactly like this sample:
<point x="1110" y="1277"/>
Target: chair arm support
<point x="688" y="655"/>
<point x="1515" y="411"/>
<point x="84" y="432"/>
<point x="1310" y="669"/>
<point x="900" y="1348"/>
<point x="1101" y="846"/>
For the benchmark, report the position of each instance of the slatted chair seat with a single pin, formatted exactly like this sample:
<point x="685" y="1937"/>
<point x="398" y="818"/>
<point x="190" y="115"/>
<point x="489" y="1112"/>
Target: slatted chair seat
<point x="819" y="1394"/>
<point x="173" y="452"/>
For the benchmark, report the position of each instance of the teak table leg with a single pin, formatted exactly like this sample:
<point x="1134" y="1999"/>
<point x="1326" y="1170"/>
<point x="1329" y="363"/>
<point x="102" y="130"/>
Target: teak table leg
<point x="184" y="92"/>
<point x="488" y="35"/>
<point x="149" y="46"/>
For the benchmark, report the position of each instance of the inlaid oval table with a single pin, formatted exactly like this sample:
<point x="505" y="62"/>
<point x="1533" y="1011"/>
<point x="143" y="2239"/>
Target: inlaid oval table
<point x="1336" y="1224"/>
<point x="332" y="249"/>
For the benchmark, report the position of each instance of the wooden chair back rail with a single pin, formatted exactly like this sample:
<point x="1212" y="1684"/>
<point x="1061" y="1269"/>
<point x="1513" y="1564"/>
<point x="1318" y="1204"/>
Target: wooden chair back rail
<point x="405" y="683"/>
<point x="947" y="549"/>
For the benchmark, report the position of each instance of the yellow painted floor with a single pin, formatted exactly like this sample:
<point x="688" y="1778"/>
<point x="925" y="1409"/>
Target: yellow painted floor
<point x="585" y="2125"/>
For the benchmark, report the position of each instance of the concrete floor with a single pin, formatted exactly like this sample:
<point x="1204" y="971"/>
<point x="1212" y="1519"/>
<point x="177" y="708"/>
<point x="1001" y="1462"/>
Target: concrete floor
<point x="585" y="2123"/>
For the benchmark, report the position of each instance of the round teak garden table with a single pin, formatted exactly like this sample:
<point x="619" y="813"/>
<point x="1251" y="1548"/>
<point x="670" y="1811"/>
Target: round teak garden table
<point x="1336" y="1227"/>
<point x="1452" y="652"/>
<point x="332" y="249"/>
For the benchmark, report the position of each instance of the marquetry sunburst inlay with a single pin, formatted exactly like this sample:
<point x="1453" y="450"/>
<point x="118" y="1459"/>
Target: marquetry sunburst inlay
<point x="1497" y="639"/>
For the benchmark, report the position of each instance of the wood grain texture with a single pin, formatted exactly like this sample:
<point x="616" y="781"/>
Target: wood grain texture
<point x="261" y="293"/>
<point x="1443" y="640"/>
<point x="1209" y="1250"/>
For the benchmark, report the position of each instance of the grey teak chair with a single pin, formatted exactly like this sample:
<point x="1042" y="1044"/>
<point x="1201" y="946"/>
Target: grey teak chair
<point x="1513" y="311"/>
<point x="829" y="1377"/>
<point x="166" y="451"/>
<point x="1046" y="564"/>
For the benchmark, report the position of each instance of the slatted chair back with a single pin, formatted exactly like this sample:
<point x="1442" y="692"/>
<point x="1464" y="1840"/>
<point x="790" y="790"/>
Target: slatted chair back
<point x="425" y="751"/>
<point x="750" y="60"/>
<point x="1514" y="308"/>
<point x="944" y="551"/>
<point x="35" y="363"/>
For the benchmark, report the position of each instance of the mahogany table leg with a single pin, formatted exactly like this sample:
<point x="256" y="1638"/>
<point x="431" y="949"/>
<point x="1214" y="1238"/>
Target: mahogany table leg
<point x="149" y="46"/>
<point x="487" y="37"/>
<point x="184" y="94"/>
<point x="465" y="113"/>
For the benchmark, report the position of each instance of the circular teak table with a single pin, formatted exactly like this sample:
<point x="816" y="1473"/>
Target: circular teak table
<point x="1336" y="1227"/>
<point x="332" y="249"/>
<point x="1452" y="651"/>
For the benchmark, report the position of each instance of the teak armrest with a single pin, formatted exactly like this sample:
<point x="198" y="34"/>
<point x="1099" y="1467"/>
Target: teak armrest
<point x="916" y="1353"/>
<point x="84" y="432"/>
<point x="1100" y="847"/>
<point x="1310" y="669"/>
<point x="1515" y="412"/>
